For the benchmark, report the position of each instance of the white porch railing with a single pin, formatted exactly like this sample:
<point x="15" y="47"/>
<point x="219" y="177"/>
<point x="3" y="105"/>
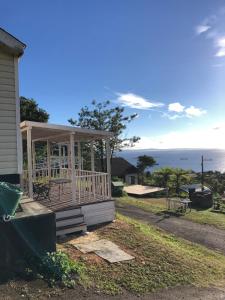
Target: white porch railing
<point x="90" y="186"/>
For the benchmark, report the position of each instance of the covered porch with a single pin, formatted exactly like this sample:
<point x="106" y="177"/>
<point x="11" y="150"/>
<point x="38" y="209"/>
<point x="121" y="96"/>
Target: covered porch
<point x="59" y="176"/>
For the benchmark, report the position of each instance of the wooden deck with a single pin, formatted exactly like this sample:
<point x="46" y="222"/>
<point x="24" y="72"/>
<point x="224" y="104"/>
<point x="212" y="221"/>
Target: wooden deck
<point x="141" y="190"/>
<point x="55" y="188"/>
<point x="61" y="197"/>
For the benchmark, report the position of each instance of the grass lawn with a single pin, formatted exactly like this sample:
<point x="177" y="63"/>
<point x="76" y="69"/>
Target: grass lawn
<point x="158" y="205"/>
<point x="161" y="260"/>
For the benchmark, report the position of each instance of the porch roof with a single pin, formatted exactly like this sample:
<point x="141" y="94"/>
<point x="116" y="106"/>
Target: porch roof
<point x="60" y="133"/>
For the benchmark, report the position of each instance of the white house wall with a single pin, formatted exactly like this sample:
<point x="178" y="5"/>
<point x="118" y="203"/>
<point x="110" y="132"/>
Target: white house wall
<point x="8" y="115"/>
<point x="128" y="178"/>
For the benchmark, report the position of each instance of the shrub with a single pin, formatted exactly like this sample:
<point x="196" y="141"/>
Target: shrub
<point x="57" y="269"/>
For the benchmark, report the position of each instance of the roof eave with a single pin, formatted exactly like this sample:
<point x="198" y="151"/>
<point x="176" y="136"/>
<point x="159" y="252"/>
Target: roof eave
<point x="11" y="44"/>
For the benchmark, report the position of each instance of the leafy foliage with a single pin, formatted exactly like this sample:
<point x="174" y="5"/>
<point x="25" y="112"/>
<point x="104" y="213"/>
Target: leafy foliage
<point x="144" y="161"/>
<point x="171" y="178"/>
<point x="215" y="180"/>
<point x="178" y="173"/>
<point x="57" y="269"/>
<point x="101" y="116"/>
<point x="30" y="111"/>
<point x="164" y="175"/>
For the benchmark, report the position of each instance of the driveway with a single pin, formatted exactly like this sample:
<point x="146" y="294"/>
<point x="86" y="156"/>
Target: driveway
<point x="206" y="235"/>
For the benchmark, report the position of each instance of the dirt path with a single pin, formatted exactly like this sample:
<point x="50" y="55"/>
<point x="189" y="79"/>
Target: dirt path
<point x="16" y="290"/>
<point x="206" y="235"/>
<point x="177" y="293"/>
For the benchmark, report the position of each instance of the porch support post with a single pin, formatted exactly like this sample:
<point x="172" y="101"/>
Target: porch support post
<point x="34" y="159"/>
<point x="92" y="157"/>
<point x="49" y="158"/>
<point x="69" y="156"/>
<point x="60" y="160"/>
<point x="93" y="169"/>
<point x="73" y="173"/>
<point x="79" y="154"/>
<point x="108" y="161"/>
<point x="29" y="163"/>
<point x="64" y="155"/>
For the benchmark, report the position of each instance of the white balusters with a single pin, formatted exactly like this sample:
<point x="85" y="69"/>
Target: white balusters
<point x="91" y="186"/>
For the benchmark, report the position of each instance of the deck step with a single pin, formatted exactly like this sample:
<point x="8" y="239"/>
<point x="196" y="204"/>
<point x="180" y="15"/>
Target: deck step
<point x="69" y="217"/>
<point x="71" y="220"/>
<point x="63" y="213"/>
<point x="71" y="229"/>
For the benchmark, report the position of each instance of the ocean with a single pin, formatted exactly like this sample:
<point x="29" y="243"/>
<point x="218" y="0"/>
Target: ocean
<point x="214" y="159"/>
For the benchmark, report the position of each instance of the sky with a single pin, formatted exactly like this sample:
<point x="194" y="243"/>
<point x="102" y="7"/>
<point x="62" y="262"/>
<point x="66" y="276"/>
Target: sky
<point x="161" y="59"/>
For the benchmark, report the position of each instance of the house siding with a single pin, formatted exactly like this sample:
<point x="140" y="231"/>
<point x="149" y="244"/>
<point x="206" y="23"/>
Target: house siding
<point x="8" y="116"/>
<point x="98" y="213"/>
<point x="128" y="179"/>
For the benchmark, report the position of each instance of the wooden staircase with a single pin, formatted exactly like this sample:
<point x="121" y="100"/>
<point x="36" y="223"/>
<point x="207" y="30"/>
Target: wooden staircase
<point x="69" y="220"/>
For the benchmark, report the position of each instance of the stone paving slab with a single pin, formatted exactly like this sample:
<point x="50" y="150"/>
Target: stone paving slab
<point x="102" y="247"/>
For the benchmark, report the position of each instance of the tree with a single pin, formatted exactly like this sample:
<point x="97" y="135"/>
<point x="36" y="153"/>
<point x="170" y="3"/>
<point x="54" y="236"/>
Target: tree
<point x="30" y="111"/>
<point x="144" y="161"/>
<point x="164" y="174"/>
<point x="179" y="173"/>
<point x="215" y="181"/>
<point x="101" y="116"/>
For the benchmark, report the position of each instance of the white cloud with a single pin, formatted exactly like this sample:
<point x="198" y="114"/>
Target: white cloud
<point x="202" y="28"/>
<point x="172" y="116"/>
<point x="220" y="43"/>
<point x="193" y="111"/>
<point x="176" y="107"/>
<point x="136" y="101"/>
<point x="177" y="110"/>
<point x="173" y="111"/>
<point x="220" y="53"/>
<point x="213" y="29"/>
<point x="194" y="138"/>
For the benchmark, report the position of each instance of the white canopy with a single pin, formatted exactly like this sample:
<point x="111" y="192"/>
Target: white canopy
<point x="60" y="133"/>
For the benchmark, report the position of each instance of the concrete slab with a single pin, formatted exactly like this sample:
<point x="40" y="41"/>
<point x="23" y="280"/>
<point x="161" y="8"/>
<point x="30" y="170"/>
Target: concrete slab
<point x="112" y="253"/>
<point x="102" y="247"/>
<point x="91" y="246"/>
<point x="142" y="189"/>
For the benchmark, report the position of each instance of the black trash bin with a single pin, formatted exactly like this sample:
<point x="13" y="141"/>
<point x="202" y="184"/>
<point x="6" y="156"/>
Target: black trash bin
<point x="202" y="199"/>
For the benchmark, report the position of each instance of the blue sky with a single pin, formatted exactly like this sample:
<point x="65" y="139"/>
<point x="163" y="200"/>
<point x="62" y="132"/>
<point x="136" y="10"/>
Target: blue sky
<point x="164" y="59"/>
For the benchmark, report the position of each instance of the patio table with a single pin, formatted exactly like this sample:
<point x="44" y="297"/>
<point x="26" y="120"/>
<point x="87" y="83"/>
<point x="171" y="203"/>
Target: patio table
<point x="179" y="204"/>
<point x="186" y="204"/>
<point x="60" y="182"/>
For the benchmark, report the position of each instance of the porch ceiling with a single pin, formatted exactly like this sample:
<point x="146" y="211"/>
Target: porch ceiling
<point x="60" y="133"/>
